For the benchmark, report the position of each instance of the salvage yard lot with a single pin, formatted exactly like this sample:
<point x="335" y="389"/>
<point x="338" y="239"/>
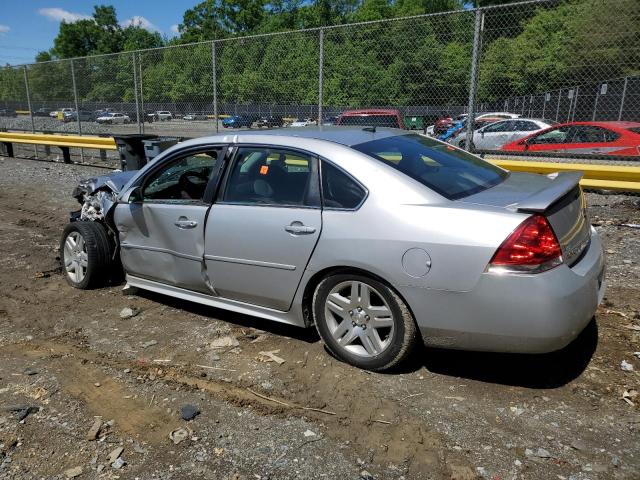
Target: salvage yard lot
<point x="72" y="356"/>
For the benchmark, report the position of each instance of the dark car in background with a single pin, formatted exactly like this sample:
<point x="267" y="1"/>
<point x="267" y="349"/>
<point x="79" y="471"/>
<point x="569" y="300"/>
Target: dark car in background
<point x="383" y="117"/>
<point x="270" y="121"/>
<point x="8" y="112"/>
<point x="85" y="116"/>
<point x="42" y="112"/>
<point x="239" y="121"/>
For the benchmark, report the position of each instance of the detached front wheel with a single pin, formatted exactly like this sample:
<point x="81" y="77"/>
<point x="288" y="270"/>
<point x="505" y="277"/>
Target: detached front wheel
<point x="85" y="252"/>
<point x="363" y="322"/>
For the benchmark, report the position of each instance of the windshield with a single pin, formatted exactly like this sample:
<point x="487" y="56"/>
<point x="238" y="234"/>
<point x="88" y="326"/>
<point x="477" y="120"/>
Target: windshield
<point x="451" y="172"/>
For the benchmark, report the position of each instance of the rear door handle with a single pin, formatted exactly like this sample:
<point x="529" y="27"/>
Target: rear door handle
<point x="185" y="224"/>
<point x="297" y="228"/>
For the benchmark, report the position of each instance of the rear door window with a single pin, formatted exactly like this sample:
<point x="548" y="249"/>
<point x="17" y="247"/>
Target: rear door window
<point x="339" y="190"/>
<point x="592" y="134"/>
<point x="451" y="172"/>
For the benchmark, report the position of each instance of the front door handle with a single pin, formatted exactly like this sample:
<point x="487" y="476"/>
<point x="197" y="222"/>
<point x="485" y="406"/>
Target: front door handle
<point x="184" y="224"/>
<point x="298" y="228"/>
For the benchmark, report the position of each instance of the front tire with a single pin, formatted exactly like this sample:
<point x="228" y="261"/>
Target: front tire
<point x="85" y="252"/>
<point x="363" y="322"/>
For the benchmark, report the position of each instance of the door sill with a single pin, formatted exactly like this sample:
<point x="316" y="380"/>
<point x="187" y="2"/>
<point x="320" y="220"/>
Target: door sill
<point x="216" y="302"/>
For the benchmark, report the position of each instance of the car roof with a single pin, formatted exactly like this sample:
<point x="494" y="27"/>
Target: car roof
<point x="347" y="136"/>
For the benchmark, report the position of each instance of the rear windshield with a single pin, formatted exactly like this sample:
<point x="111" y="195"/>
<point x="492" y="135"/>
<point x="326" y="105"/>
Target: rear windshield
<point x="370" y="120"/>
<point x="448" y="171"/>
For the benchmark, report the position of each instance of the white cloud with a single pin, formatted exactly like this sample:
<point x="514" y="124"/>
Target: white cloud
<point x="175" y="29"/>
<point x="59" y="14"/>
<point x="139" y="21"/>
<point x="4" y="29"/>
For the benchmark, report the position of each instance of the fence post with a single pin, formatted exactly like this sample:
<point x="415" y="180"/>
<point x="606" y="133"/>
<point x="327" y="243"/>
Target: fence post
<point x="77" y="104"/>
<point x="473" y="85"/>
<point x="135" y="92"/>
<point x="142" y="114"/>
<point x="321" y="78"/>
<point x="214" y="79"/>
<point x="558" y="105"/>
<point x="624" y="93"/>
<point x="575" y="103"/>
<point x="595" y="103"/>
<point x="26" y="87"/>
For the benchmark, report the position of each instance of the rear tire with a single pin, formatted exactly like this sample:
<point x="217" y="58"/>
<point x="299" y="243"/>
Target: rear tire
<point x="85" y="253"/>
<point x="363" y="322"/>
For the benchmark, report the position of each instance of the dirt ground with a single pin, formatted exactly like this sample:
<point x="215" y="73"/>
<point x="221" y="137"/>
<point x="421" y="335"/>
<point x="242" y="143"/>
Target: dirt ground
<point x="69" y="361"/>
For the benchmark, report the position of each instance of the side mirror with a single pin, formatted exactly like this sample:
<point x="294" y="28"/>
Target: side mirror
<point x="133" y="195"/>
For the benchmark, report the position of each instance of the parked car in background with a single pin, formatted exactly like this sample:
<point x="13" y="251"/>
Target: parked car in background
<point x="499" y="115"/>
<point x="113" y="118"/>
<point x="195" y="116"/>
<point x="42" y="112"/>
<point x="239" y="121"/>
<point x="601" y="138"/>
<point x="442" y="124"/>
<point x="163" y="116"/>
<point x="60" y="112"/>
<point x="270" y="121"/>
<point x="494" y="135"/>
<point x="8" y="112"/>
<point x="383" y="117"/>
<point x="330" y="120"/>
<point x="85" y="116"/>
<point x="380" y="238"/>
<point x="100" y="113"/>
<point x="459" y="127"/>
<point x="301" y="123"/>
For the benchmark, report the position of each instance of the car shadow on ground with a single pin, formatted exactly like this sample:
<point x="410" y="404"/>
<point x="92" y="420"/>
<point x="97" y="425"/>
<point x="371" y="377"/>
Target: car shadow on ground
<point x="550" y="370"/>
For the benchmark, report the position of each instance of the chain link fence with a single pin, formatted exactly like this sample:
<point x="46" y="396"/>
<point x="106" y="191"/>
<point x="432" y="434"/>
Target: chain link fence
<point x="554" y="61"/>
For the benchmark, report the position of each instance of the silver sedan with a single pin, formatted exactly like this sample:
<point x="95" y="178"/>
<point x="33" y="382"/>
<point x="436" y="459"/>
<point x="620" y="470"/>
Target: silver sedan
<point x="378" y="237"/>
<point x="495" y="135"/>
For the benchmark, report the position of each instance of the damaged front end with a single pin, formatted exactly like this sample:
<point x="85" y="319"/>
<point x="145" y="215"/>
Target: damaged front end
<point x="98" y="195"/>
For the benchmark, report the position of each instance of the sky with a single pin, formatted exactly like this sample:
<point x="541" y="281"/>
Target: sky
<point x="29" y="26"/>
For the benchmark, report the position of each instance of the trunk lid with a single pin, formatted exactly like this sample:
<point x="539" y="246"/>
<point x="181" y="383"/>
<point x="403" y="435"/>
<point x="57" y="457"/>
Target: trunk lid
<point x="557" y="196"/>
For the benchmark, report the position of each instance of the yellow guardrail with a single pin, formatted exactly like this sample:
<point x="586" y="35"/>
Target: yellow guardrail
<point x="64" y="142"/>
<point x="72" y="141"/>
<point x="597" y="176"/>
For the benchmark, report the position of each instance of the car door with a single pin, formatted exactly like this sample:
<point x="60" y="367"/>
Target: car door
<point x="264" y="226"/>
<point x="591" y="139"/>
<point x="490" y="137"/>
<point x="161" y="228"/>
<point x="551" y="140"/>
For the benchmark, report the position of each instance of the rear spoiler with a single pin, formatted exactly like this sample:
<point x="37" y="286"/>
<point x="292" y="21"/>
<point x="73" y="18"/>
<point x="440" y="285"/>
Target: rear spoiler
<point x="562" y="184"/>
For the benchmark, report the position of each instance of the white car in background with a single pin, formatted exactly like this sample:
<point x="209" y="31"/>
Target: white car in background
<point x="302" y="123"/>
<point x="114" y="118"/>
<point x="497" y="134"/>
<point x="163" y="115"/>
<point x="504" y="115"/>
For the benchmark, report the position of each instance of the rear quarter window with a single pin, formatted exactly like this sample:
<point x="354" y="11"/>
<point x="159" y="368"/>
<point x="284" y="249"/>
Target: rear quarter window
<point x="451" y="172"/>
<point x="339" y="191"/>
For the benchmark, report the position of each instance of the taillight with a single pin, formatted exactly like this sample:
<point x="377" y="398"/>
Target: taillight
<point x="532" y="248"/>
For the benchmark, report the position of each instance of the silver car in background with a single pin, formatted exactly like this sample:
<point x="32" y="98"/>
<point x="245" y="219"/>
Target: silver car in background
<point x="378" y="237"/>
<point x="495" y="135"/>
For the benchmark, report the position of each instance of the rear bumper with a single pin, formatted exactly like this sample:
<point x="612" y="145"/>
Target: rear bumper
<point x="514" y="313"/>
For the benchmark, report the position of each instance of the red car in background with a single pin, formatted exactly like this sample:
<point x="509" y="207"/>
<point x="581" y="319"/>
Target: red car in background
<point x="596" y="138"/>
<point x="383" y="117"/>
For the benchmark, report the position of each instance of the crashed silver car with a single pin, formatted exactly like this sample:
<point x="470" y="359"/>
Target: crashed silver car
<point x="378" y="237"/>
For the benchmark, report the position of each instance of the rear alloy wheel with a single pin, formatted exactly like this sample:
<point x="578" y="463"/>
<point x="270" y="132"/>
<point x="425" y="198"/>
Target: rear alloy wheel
<point x="363" y="322"/>
<point x="85" y="251"/>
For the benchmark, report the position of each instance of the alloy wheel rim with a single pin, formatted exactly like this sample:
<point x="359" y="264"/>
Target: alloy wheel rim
<point x="359" y="318"/>
<point x="76" y="258"/>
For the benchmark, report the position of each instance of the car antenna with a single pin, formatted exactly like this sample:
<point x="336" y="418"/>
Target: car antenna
<point x="370" y="129"/>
